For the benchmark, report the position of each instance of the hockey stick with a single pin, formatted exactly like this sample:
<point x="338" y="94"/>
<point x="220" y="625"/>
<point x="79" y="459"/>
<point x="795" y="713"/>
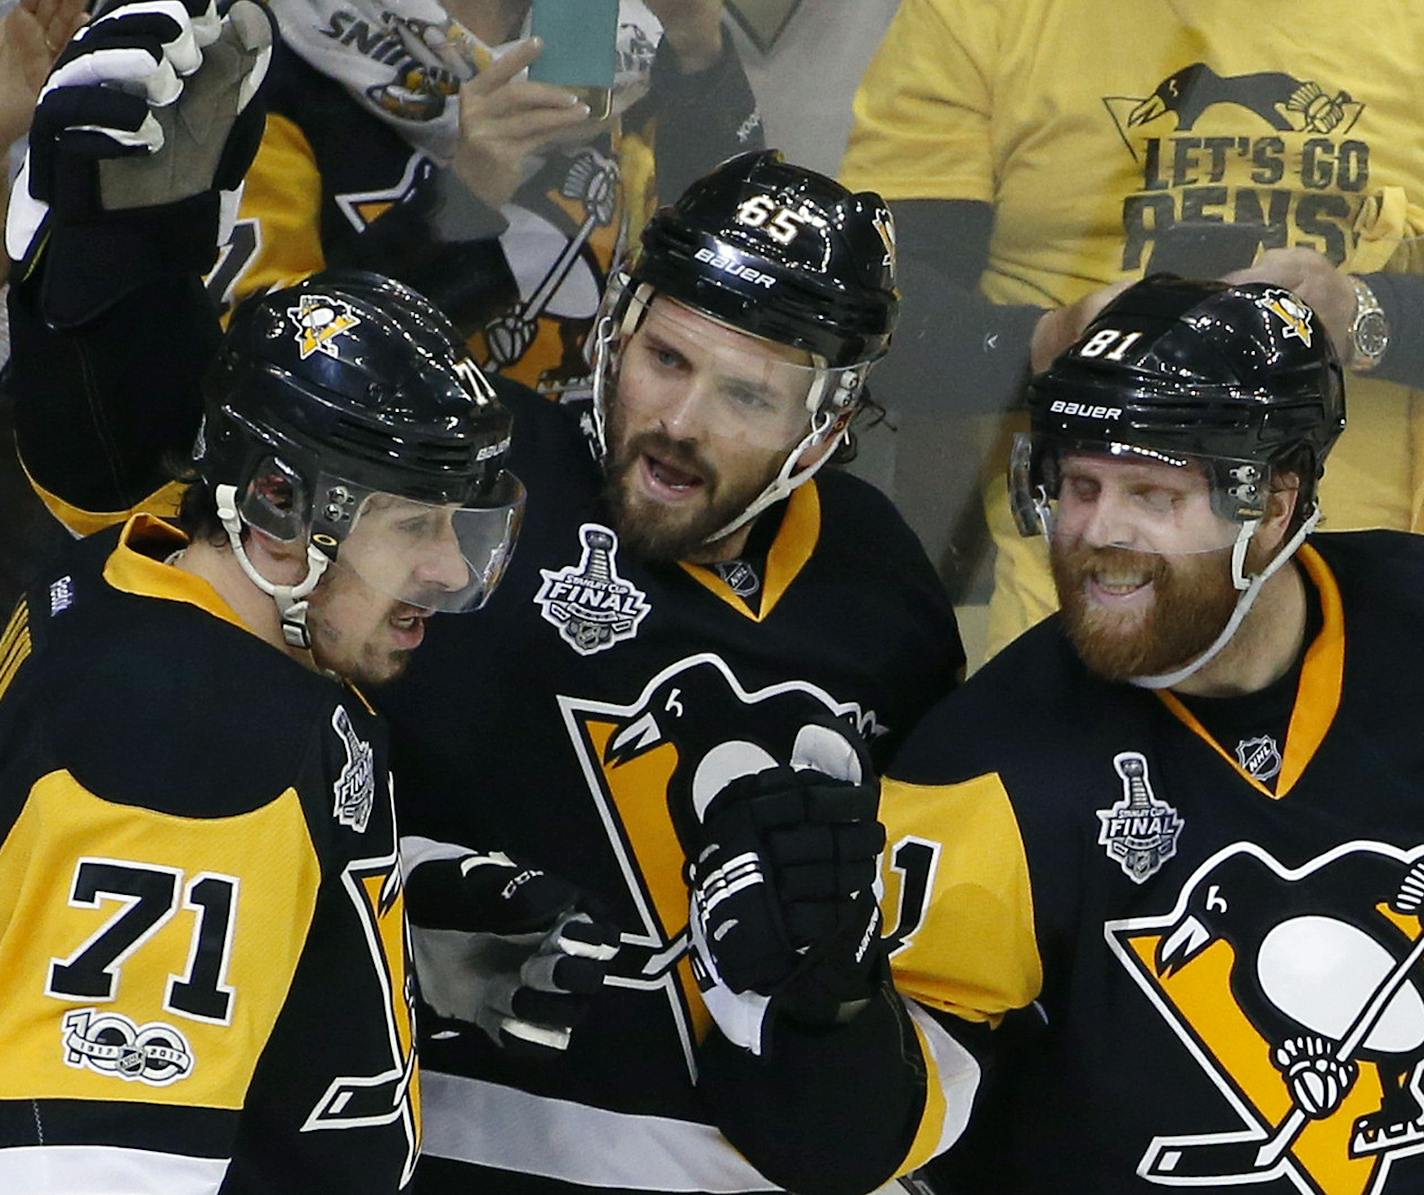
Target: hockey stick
<point x="1248" y="1159"/>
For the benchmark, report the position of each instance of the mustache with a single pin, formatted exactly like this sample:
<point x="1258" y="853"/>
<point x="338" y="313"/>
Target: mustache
<point x="1081" y="561"/>
<point x="681" y="454"/>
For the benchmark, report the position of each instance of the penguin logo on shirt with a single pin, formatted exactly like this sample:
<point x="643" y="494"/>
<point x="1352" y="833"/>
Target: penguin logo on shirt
<point x="1301" y="992"/>
<point x="1283" y="101"/>
<point x="654" y="765"/>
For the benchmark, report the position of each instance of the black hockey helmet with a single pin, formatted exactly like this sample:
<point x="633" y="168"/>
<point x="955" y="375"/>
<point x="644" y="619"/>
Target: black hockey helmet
<point x="349" y="385"/>
<point x="780" y="252"/>
<point x="1239" y="378"/>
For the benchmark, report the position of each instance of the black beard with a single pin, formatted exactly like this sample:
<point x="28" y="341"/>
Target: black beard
<point x="660" y="536"/>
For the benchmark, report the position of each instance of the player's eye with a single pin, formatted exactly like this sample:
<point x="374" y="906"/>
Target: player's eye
<point x="1156" y="499"/>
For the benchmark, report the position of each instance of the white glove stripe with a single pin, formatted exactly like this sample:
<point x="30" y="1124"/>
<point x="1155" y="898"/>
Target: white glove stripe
<point x="182" y="51"/>
<point x="130" y="69"/>
<point x="149" y="135"/>
<point x="554" y="1039"/>
<point x="25" y="217"/>
<point x="576" y="949"/>
<point x="207" y="26"/>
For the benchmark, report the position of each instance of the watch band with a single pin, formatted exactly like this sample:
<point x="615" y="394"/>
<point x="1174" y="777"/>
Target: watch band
<point x="1369" y="331"/>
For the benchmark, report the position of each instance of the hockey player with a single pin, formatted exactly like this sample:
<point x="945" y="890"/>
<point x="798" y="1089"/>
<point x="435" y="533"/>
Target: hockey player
<point x="204" y="983"/>
<point x="703" y="602"/>
<point x="1181" y="818"/>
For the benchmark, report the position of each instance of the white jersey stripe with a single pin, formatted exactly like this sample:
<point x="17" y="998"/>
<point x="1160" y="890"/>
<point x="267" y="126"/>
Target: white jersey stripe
<point x="102" y="1170"/>
<point x="959" y="1074"/>
<point x="469" y="1120"/>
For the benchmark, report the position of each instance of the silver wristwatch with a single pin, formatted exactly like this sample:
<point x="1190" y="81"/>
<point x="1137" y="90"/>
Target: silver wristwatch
<point x="1369" y="332"/>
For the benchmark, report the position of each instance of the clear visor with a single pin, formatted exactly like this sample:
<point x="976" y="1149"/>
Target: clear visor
<point x="716" y="381"/>
<point x="1124" y="497"/>
<point x="434" y="557"/>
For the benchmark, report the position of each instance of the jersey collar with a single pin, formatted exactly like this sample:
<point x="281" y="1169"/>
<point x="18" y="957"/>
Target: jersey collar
<point x="136" y="566"/>
<point x="1317" y="698"/>
<point x="795" y="541"/>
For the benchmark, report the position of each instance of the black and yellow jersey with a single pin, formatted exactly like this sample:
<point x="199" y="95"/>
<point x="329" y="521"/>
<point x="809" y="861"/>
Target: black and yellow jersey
<point x="203" y="980"/>
<point x="575" y="721"/>
<point x="336" y="185"/>
<point x="1219" y="942"/>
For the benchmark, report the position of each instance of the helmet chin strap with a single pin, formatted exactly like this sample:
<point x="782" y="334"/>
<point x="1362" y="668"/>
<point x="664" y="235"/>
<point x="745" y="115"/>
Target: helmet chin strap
<point x="786" y="479"/>
<point x="290" y="599"/>
<point x="1250" y="588"/>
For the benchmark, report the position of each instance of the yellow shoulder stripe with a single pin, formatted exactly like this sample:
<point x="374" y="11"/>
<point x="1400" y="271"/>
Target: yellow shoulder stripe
<point x="968" y="946"/>
<point x="14" y="646"/>
<point x="53" y="914"/>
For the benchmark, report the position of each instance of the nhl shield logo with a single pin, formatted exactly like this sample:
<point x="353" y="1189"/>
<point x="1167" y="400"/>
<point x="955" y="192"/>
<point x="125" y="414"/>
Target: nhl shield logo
<point x="1138" y="831"/>
<point x="1259" y="756"/>
<point x="593" y="607"/>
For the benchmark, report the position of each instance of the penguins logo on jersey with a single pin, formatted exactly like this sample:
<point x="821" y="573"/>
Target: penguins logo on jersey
<point x="391" y="1096"/>
<point x="652" y="764"/>
<point x="1300" y="992"/>
<point x="592" y="606"/>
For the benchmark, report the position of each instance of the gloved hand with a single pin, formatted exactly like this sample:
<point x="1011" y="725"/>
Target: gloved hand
<point x="143" y="133"/>
<point x="784" y="917"/>
<point x="506" y="947"/>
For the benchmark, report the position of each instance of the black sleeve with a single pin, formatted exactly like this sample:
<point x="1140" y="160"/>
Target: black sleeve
<point x="954" y="350"/>
<point x="1402" y="298"/>
<point x="827" y="1110"/>
<point x="103" y="409"/>
<point x="701" y="118"/>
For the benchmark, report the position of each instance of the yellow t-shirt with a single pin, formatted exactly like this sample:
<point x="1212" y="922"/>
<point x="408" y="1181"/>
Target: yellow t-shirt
<point x="1092" y="126"/>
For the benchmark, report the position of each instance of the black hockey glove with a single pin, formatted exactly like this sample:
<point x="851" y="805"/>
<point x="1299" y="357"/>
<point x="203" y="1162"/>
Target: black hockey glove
<point x="506" y="947"/>
<point x="139" y="144"/>
<point x="784" y="917"/>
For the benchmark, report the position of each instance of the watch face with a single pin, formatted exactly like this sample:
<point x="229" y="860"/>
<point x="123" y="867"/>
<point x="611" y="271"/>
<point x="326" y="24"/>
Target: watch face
<point x="1371" y="334"/>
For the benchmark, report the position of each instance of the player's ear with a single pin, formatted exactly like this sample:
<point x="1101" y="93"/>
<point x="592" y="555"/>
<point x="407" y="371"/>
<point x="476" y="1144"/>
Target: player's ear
<point x="1281" y="504"/>
<point x="825" y="442"/>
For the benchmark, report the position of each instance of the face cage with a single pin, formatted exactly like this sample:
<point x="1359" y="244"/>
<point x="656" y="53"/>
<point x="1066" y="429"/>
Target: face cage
<point x="833" y="392"/>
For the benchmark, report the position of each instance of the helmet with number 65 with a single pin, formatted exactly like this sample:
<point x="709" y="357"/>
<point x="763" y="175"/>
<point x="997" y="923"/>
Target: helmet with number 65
<point x="776" y="252"/>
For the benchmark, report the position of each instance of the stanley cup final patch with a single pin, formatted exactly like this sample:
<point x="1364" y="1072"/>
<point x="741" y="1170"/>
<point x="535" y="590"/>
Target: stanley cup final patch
<point x="591" y="605"/>
<point x="355" y="789"/>
<point x="1138" y="831"/>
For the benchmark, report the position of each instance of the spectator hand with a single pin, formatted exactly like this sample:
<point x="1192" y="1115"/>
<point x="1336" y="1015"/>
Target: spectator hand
<point x="505" y="121"/>
<point x="506" y="947"/>
<point x="1058" y="329"/>
<point x="31" y="35"/>
<point x="1310" y="276"/>
<point x="784" y="917"/>
<point x="693" y="28"/>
